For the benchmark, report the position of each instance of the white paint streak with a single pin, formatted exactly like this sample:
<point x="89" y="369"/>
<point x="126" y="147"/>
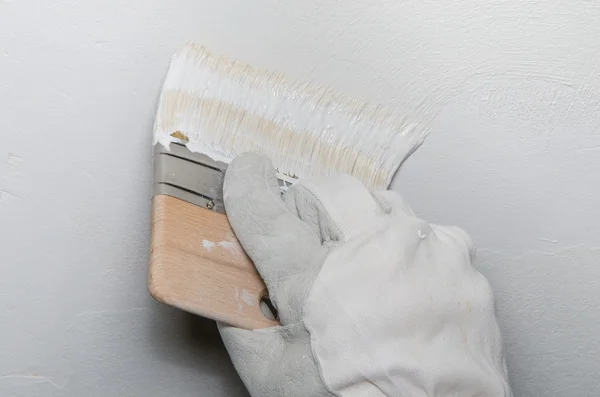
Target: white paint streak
<point x="32" y="378"/>
<point x="7" y="183"/>
<point x="14" y="159"/>
<point x="237" y="299"/>
<point x="245" y="296"/>
<point x="6" y="192"/>
<point x="548" y="240"/>
<point x="248" y="297"/>
<point x="208" y="245"/>
<point x="228" y="245"/>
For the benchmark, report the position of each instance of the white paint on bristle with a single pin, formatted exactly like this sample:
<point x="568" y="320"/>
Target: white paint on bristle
<point x="225" y="107"/>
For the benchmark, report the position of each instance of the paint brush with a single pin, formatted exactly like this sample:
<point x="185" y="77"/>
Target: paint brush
<point x="212" y="108"/>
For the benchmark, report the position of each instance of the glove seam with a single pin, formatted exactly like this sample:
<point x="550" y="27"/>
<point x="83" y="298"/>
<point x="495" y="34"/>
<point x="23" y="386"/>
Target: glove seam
<point x="340" y="236"/>
<point x="316" y="360"/>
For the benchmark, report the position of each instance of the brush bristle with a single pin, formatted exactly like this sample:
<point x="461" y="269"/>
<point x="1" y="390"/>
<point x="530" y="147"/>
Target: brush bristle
<point x="222" y="107"/>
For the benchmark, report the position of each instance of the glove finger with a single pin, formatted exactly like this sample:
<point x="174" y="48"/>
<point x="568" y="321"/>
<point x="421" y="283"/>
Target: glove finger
<point x="279" y="244"/>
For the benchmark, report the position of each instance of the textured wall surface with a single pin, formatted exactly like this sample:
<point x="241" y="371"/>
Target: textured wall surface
<point x="509" y="88"/>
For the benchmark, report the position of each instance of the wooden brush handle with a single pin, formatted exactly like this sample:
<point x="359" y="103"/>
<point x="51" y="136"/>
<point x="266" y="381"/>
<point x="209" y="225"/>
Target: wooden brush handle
<point x="197" y="265"/>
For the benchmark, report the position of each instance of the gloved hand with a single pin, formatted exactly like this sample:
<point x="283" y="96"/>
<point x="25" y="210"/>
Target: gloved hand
<point x="372" y="300"/>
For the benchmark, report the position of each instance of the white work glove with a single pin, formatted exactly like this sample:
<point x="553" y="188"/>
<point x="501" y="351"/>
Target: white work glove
<point x="372" y="300"/>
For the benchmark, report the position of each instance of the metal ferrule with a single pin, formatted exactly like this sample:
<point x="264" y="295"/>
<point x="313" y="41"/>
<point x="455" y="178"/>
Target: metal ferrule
<point x="188" y="176"/>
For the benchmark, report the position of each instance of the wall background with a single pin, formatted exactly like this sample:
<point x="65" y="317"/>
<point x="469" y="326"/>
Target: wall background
<point x="510" y="89"/>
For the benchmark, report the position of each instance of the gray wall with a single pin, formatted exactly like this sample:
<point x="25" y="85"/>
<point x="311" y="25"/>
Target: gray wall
<point x="510" y="90"/>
